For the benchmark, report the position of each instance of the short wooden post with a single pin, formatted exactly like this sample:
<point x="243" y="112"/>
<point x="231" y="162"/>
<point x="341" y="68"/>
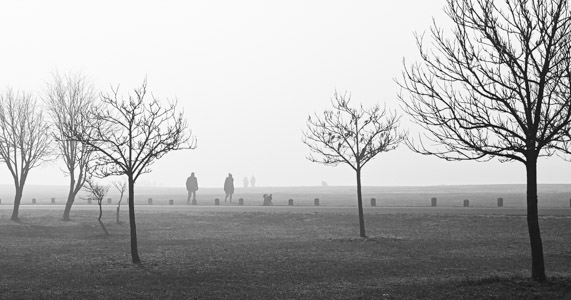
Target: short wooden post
<point x="433" y="202"/>
<point x="290" y="202"/>
<point x="466" y="202"/>
<point x="88" y="200"/>
<point x="108" y="200"/>
<point x="33" y="200"/>
<point x="241" y="201"/>
<point x="53" y="200"/>
<point x="373" y="202"/>
<point x="0" y="201"/>
<point x="316" y="201"/>
<point x="569" y="202"/>
<point x="500" y="202"/>
<point x="150" y="201"/>
<point x="171" y="202"/>
<point x="216" y="201"/>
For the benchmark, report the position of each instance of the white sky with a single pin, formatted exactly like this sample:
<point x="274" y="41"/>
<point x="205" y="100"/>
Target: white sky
<point x="247" y="74"/>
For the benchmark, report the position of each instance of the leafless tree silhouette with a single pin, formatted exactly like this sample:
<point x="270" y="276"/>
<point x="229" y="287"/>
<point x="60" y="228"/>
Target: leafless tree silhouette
<point x="24" y="139"/>
<point x="121" y="187"/>
<point x="352" y="136"/>
<point x="130" y="135"/>
<point x="68" y="99"/>
<point x="97" y="192"/>
<point x="497" y="86"/>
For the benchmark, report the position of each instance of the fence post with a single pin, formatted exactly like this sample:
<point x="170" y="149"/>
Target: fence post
<point x="433" y="202"/>
<point x="53" y="200"/>
<point x="373" y="202"/>
<point x="88" y="200"/>
<point x="171" y="202"/>
<point x="316" y="201"/>
<point x="290" y="202"/>
<point x="108" y="200"/>
<point x="241" y="201"/>
<point x="33" y="200"/>
<point x="216" y="201"/>
<point x="500" y="202"/>
<point x="150" y="201"/>
<point x="466" y="202"/>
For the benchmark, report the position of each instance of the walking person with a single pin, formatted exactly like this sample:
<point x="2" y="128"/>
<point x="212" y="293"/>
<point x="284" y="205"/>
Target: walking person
<point x="191" y="187"/>
<point x="229" y="187"/>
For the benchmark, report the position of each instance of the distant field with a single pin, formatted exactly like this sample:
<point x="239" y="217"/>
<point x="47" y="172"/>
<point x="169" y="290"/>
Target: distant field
<point x="550" y="195"/>
<point x="254" y="252"/>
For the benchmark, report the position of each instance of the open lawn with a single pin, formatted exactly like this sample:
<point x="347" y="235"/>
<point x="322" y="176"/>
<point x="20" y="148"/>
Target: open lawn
<point x="240" y="252"/>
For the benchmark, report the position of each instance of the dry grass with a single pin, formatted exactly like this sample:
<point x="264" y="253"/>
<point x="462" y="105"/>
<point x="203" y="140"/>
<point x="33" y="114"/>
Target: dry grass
<point x="279" y="254"/>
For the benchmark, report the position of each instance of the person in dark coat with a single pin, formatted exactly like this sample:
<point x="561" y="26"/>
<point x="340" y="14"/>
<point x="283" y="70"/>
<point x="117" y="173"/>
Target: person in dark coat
<point x="229" y="187"/>
<point x="191" y="187"/>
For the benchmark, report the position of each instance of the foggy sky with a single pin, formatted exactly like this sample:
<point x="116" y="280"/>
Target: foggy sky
<point x="247" y="74"/>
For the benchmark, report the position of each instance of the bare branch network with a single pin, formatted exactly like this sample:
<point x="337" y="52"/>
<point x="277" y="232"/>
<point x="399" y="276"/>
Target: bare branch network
<point x="498" y="87"/>
<point x="130" y="135"/>
<point x="351" y="135"/>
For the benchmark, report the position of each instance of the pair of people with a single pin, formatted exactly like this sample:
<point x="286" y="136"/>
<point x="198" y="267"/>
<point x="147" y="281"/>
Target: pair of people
<point x="192" y="187"/>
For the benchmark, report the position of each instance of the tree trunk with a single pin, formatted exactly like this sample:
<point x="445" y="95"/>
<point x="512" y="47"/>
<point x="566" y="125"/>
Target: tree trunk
<point x="101" y="214"/>
<point x="360" y="206"/>
<point x="134" y="250"/>
<point x="70" y="199"/>
<point x="17" y="200"/>
<point x="68" y="204"/>
<point x="537" y="263"/>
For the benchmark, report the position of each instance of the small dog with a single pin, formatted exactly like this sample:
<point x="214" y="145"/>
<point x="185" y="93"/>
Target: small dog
<point x="267" y="200"/>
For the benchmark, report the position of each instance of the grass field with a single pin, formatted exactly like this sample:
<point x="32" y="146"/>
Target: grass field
<point x="280" y="252"/>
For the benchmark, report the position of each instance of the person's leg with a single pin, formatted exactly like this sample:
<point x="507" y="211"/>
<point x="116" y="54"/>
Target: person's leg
<point x="226" y="198"/>
<point x="188" y="198"/>
<point x="230" y="197"/>
<point x="194" y="195"/>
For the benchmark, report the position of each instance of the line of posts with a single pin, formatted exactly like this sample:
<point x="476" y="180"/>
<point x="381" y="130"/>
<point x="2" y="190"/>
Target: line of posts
<point x="433" y="202"/>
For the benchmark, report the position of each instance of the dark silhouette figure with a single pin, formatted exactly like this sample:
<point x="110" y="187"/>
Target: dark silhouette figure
<point x="246" y="182"/>
<point x="253" y="181"/>
<point x="229" y="187"/>
<point x="267" y="200"/>
<point x="191" y="187"/>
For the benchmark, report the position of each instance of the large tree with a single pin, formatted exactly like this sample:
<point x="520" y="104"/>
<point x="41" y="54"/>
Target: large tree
<point x="68" y="98"/>
<point x="24" y="139"/>
<point x="129" y="135"/>
<point x="352" y="136"/>
<point x="496" y="85"/>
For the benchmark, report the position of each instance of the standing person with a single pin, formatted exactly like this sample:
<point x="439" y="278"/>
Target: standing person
<point x="246" y="182"/>
<point x="191" y="187"/>
<point x="253" y="181"/>
<point x="229" y="187"/>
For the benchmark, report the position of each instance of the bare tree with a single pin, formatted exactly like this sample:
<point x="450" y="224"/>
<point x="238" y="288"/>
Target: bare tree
<point x="130" y="135"/>
<point x="68" y="99"/>
<point x="97" y="191"/>
<point x="498" y="87"/>
<point x="24" y="139"/>
<point x="121" y="187"/>
<point x="352" y="136"/>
